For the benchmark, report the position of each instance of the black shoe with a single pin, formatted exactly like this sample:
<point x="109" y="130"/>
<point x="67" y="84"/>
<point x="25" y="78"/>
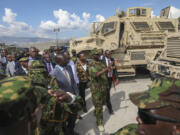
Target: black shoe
<point x="85" y="110"/>
<point x="111" y="112"/>
<point x="75" y="133"/>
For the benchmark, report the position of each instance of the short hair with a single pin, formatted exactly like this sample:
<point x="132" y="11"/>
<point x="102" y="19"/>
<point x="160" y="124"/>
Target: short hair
<point x="58" y="57"/>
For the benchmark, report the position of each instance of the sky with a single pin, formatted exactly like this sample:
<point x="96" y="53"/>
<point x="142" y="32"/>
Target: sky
<point x="38" y="18"/>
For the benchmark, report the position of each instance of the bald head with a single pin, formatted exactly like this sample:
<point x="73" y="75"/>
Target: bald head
<point x="67" y="56"/>
<point x="82" y="57"/>
<point x="60" y="60"/>
<point x="47" y="57"/>
<point x="33" y="52"/>
<point x="108" y="54"/>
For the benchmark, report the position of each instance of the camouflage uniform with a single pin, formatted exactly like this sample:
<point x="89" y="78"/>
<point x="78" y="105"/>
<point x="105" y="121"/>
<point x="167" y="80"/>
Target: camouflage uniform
<point x="56" y="113"/>
<point x="127" y="130"/>
<point x="98" y="87"/>
<point x="162" y="93"/>
<point x="21" y="92"/>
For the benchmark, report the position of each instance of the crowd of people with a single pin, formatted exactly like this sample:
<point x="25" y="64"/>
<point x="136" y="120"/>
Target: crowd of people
<point x="72" y="75"/>
<point x="43" y="94"/>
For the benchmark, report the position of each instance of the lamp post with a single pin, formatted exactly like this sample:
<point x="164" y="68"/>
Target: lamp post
<point x="57" y="30"/>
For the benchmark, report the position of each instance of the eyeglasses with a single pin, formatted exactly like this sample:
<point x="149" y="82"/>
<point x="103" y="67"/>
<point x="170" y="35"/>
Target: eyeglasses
<point x="149" y="118"/>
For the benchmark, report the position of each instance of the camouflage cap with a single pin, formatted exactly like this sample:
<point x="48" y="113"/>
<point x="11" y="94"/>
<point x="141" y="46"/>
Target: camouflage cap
<point x="94" y="51"/>
<point x="38" y="66"/>
<point x="23" y="59"/>
<point x="37" y="73"/>
<point x="46" y="50"/>
<point x="130" y="129"/>
<point x="73" y="51"/>
<point x="18" y="99"/>
<point x="163" y="92"/>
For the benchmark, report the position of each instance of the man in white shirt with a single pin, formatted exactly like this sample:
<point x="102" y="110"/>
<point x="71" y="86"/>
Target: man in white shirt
<point x="10" y="67"/>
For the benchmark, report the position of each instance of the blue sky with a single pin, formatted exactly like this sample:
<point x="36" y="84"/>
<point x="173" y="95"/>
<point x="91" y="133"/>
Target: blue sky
<point x="38" y="17"/>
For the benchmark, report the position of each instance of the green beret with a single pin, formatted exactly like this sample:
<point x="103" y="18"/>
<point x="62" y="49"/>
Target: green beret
<point x="23" y="59"/>
<point x="163" y="92"/>
<point x="18" y="99"/>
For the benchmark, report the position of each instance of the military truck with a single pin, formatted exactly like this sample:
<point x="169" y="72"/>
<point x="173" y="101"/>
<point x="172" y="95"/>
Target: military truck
<point x="133" y="37"/>
<point x="168" y="62"/>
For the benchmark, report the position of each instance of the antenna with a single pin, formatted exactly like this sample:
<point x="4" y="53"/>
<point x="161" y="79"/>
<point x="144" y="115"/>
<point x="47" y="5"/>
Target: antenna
<point x="56" y="30"/>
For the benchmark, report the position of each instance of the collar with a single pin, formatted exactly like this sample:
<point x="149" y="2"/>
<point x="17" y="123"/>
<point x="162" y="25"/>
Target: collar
<point x="61" y="68"/>
<point x="71" y="62"/>
<point x="24" y="68"/>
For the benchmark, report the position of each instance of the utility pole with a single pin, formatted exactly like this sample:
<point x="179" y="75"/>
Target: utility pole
<point x="57" y="30"/>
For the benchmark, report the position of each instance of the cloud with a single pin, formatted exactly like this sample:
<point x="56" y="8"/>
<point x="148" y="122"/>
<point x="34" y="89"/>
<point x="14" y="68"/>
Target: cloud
<point x="9" y="16"/>
<point x="67" y="21"/>
<point x="13" y="27"/>
<point x="86" y="16"/>
<point x="99" y="18"/>
<point x="174" y="12"/>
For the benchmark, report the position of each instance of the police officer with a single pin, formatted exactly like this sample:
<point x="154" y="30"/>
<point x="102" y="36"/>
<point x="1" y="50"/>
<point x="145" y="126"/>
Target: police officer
<point x="20" y="103"/>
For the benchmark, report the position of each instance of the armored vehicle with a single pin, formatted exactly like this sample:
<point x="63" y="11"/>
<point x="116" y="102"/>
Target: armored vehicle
<point x="133" y="37"/>
<point x="168" y="62"/>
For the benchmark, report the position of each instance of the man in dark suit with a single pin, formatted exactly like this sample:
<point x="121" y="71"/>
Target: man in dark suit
<point x="33" y="54"/>
<point x="22" y="68"/>
<point x="48" y="62"/>
<point x="64" y="75"/>
<point x="112" y="77"/>
<point x="66" y="82"/>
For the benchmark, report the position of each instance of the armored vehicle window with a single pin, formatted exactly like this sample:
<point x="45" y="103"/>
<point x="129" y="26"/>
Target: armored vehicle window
<point x="165" y="25"/>
<point x="132" y="11"/>
<point x="140" y="26"/>
<point x="138" y="12"/>
<point x="108" y="27"/>
<point x="143" y="11"/>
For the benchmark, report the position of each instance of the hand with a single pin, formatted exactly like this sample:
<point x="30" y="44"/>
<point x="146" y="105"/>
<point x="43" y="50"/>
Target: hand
<point x="61" y="95"/>
<point x="36" y="115"/>
<point x="109" y="69"/>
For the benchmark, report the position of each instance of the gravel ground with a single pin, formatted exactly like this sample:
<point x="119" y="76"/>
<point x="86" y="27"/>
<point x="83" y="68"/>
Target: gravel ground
<point x="124" y="111"/>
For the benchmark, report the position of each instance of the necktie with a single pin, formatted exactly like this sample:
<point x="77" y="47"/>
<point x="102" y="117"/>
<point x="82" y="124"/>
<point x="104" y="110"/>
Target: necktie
<point x="66" y="75"/>
<point x="110" y="73"/>
<point x="50" y="68"/>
